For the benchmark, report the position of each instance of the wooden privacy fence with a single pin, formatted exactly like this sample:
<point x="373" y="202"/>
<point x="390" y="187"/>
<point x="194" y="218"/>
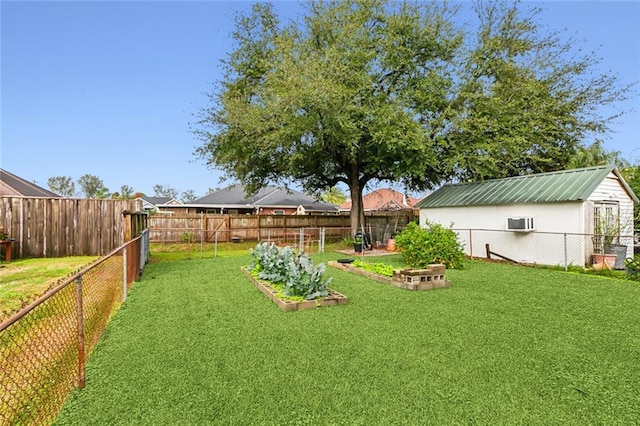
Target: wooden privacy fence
<point x="225" y="227"/>
<point x="58" y="227"/>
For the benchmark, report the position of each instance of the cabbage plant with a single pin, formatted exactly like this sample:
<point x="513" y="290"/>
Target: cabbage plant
<point x="296" y="274"/>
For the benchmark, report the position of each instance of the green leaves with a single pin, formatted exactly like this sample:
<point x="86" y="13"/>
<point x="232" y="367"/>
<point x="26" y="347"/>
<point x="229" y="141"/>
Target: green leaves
<point x="295" y="274"/>
<point x="331" y="99"/>
<point x="372" y="91"/>
<point x="525" y="103"/>
<point x="421" y="247"/>
<point x="377" y="268"/>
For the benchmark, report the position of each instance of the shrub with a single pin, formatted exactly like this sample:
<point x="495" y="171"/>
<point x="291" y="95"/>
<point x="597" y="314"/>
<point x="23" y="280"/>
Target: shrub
<point x="432" y="244"/>
<point x="187" y="237"/>
<point x="297" y="275"/>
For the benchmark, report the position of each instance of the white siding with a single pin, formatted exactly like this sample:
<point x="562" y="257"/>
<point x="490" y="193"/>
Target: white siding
<point x="552" y="217"/>
<point x="611" y="189"/>
<point x="548" y="244"/>
<point x="540" y="247"/>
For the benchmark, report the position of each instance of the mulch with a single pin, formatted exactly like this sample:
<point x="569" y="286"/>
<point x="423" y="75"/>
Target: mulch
<point x="374" y="252"/>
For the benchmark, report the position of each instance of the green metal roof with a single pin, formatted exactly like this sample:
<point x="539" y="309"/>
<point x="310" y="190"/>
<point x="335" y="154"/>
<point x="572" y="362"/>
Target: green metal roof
<point x="552" y="187"/>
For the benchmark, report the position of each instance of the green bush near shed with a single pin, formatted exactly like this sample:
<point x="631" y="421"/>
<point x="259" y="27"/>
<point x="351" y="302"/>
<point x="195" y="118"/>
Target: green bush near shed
<point x="432" y="244"/>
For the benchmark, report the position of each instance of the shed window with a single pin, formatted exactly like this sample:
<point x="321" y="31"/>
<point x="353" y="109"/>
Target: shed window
<point x="278" y="212"/>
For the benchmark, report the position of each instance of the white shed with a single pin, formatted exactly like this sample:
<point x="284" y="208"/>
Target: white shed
<point x="547" y="218"/>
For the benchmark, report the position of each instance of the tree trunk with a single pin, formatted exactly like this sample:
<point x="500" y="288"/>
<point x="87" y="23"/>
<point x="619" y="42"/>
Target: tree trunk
<point x="357" y="209"/>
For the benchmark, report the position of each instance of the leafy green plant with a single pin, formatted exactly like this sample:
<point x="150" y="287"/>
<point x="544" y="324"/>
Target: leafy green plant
<point x="607" y="231"/>
<point x="432" y="244"/>
<point x="633" y="268"/>
<point x="187" y="237"/>
<point x="306" y="280"/>
<point x="296" y="274"/>
<point x="346" y="241"/>
<point x="275" y="263"/>
<point x="377" y="268"/>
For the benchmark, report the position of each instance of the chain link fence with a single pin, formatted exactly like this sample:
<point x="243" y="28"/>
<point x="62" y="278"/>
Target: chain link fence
<point x="43" y="347"/>
<point x="308" y="239"/>
<point x="542" y="248"/>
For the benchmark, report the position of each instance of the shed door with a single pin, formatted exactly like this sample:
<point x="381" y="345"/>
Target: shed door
<point x="606" y="218"/>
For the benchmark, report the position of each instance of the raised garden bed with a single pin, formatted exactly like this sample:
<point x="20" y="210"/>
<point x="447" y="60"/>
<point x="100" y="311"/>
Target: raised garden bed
<point x="334" y="297"/>
<point x="409" y="279"/>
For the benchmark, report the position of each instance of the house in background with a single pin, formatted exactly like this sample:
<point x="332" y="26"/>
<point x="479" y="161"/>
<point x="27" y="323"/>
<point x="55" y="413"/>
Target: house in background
<point x="384" y="199"/>
<point x="544" y="218"/>
<point x="12" y="185"/>
<point x="160" y="205"/>
<point x="270" y="200"/>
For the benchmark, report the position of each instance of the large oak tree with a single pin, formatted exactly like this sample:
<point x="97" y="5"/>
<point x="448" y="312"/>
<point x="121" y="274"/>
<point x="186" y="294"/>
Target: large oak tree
<point x="369" y="91"/>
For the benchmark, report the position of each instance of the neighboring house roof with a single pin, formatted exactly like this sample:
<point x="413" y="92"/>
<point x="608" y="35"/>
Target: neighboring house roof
<point x="270" y="196"/>
<point x="560" y="186"/>
<point x="384" y="199"/>
<point x="157" y="200"/>
<point x="11" y="184"/>
<point x="152" y="203"/>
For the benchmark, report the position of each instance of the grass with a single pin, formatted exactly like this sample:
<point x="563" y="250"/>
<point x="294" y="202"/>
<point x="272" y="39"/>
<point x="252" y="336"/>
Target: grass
<point x="180" y="251"/>
<point x="196" y="343"/>
<point x="23" y="280"/>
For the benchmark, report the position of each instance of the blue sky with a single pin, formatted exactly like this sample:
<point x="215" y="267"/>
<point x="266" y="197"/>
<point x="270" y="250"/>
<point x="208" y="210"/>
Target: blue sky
<point x="109" y="88"/>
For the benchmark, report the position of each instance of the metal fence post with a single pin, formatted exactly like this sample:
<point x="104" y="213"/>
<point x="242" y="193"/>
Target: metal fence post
<point x="566" y="265"/>
<point x="124" y="274"/>
<point x="301" y="240"/>
<point x="81" y="352"/>
<point x="144" y="249"/>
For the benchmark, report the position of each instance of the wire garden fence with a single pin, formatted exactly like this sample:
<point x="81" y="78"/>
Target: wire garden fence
<point x="44" y="347"/>
<point x="205" y="228"/>
<point x="307" y="239"/>
<point x="543" y="248"/>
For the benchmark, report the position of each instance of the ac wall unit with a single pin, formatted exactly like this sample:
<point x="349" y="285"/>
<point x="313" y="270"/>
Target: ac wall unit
<point x="520" y="224"/>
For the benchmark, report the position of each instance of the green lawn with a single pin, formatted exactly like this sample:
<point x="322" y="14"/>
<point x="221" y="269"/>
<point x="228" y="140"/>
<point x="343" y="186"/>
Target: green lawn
<point x="24" y="280"/>
<point x="196" y="343"/>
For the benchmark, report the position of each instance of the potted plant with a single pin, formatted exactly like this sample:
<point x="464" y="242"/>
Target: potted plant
<point x="4" y="236"/>
<point x="607" y="250"/>
<point x="357" y="242"/>
<point x="5" y="242"/>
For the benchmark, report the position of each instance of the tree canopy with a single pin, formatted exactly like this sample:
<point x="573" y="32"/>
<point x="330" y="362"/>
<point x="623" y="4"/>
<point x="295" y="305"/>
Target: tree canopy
<point x="333" y="195"/>
<point x="62" y="185"/>
<point x="188" y="196"/>
<point x="596" y="155"/>
<point x="126" y="192"/>
<point x="357" y="92"/>
<point x="165" y="191"/>
<point x="92" y="186"/>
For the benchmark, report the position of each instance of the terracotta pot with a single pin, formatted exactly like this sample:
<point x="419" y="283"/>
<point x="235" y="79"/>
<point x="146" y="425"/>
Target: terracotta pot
<point x="391" y="244"/>
<point x="610" y="260"/>
<point x="602" y="261"/>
